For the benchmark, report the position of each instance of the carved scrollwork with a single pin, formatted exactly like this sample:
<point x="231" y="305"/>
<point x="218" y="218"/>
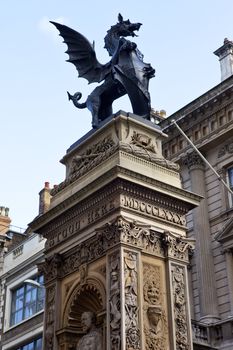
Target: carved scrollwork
<point x="178" y="247"/>
<point x="51" y="267"/>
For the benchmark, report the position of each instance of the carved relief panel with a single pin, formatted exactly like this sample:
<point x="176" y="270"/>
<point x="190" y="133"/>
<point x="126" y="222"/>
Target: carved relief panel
<point x="180" y="305"/>
<point x="131" y="300"/>
<point x="154" y="308"/>
<point x="114" y="301"/>
<point x="50" y="317"/>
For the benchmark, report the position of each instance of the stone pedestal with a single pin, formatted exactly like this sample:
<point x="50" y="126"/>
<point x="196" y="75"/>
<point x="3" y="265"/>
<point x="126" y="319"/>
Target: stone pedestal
<point x="116" y="244"/>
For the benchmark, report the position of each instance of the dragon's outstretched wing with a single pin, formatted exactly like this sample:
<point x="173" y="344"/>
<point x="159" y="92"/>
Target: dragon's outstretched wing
<point x="82" y="55"/>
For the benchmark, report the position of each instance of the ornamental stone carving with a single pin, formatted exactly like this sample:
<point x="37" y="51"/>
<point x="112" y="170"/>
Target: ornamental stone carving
<point x="180" y="308"/>
<point x="51" y="268"/>
<point x="227" y="148"/>
<point x="114" y="301"/>
<point x="147" y="154"/>
<point x="92" y="156"/>
<point x="178" y="247"/>
<point x="50" y="315"/>
<point x="131" y="301"/>
<point x="155" y="321"/>
<point x="143" y="141"/>
<point x="193" y="160"/>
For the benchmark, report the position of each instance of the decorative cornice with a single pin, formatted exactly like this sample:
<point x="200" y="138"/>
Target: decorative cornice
<point x="208" y="97"/>
<point x="186" y="201"/>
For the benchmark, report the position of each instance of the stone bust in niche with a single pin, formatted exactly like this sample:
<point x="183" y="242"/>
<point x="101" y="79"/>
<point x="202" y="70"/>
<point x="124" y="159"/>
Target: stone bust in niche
<point x="92" y="340"/>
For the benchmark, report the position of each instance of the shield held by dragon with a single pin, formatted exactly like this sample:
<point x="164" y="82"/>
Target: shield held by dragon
<point x="125" y="73"/>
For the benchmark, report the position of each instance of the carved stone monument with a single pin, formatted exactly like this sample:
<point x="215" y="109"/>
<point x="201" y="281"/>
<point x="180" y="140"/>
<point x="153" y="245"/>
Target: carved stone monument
<point x="116" y="254"/>
<point x="116" y="244"/>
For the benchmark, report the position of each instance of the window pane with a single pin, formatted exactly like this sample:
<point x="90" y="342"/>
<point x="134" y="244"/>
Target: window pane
<point x="27" y="300"/>
<point x="39" y="344"/>
<point x="19" y="291"/>
<point x="19" y="316"/>
<point x="19" y="303"/>
<point x="230" y="176"/>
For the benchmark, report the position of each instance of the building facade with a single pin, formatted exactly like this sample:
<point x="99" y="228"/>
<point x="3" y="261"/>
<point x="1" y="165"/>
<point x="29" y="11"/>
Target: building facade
<point x="208" y="122"/>
<point x="21" y="289"/>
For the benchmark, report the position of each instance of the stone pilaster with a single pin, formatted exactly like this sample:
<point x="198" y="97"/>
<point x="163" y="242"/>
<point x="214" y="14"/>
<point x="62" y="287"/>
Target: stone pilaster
<point x="203" y="251"/>
<point x="229" y="267"/>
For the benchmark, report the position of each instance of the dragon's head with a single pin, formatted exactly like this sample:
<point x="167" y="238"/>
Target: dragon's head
<point x="126" y="28"/>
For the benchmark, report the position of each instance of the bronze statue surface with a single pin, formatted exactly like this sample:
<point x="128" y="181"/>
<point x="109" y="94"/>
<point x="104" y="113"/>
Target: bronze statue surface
<point x="125" y="73"/>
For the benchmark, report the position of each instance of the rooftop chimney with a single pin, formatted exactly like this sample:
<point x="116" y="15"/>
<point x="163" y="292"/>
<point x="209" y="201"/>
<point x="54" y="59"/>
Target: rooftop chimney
<point x="44" y="199"/>
<point x="4" y="220"/>
<point x="225" y="54"/>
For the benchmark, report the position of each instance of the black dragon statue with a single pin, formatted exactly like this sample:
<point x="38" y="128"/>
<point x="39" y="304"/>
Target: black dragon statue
<point x="125" y="73"/>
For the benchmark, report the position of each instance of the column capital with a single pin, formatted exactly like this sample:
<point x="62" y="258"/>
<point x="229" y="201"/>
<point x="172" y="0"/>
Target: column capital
<point x="193" y="160"/>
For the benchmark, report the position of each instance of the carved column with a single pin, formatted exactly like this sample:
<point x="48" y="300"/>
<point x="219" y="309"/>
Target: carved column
<point x="203" y="251"/>
<point x="124" y="329"/>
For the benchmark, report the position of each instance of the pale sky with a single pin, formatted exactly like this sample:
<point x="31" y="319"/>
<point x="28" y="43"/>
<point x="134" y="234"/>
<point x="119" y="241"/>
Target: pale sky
<point x="38" y="124"/>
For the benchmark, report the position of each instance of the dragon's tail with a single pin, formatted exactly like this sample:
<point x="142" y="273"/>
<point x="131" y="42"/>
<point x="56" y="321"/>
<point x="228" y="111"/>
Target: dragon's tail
<point x="75" y="98"/>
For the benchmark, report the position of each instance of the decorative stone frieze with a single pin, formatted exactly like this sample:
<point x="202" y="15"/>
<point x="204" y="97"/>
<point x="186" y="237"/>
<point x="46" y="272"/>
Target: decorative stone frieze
<point x="154" y="210"/>
<point x="112" y="234"/>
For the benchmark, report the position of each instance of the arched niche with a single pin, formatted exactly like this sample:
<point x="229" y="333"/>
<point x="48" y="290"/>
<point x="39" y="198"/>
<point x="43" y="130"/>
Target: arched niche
<point x="89" y="296"/>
